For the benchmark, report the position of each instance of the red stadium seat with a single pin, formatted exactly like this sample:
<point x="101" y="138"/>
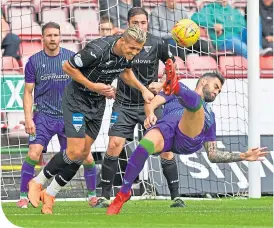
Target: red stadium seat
<point x="10" y="66"/>
<point x="266" y="65"/>
<point x="233" y="66"/>
<point x="181" y="67"/>
<point x="71" y="44"/>
<point x="86" y="19"/>
<point x="30" y="47"/>
<point x="22" y="20"/>
<point x="198" y="65"/>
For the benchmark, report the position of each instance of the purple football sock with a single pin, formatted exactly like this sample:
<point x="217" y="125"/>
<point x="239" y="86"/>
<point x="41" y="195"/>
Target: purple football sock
<point x="90" y="177"/>
<point x="191" y="100"/>
<point x="27" y="173"/>
<point x="136" y="163"/>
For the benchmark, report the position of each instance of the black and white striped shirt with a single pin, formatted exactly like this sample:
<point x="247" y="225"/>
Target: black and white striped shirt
<point x="98" y="63"/>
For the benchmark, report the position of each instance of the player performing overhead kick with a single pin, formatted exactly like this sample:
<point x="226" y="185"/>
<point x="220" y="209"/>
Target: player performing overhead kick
<point x="188" y="123"/>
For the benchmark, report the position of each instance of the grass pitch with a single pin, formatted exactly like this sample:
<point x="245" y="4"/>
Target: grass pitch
<point x="221" y="213"/>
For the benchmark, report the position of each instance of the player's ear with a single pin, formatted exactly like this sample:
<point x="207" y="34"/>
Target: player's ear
<point x="203" y="82"/>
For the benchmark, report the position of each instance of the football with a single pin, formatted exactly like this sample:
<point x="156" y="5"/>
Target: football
<point x="185" y="32"/>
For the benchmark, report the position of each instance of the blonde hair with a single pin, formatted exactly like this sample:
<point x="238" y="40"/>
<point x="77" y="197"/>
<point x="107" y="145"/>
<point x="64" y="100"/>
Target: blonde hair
<point x="136" y="34"/>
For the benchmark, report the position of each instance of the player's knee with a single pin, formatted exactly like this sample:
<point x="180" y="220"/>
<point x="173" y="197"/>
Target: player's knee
<point x="75" y="153"/>
<point x="115" y="146"/>
<point x="89" y="159"/>
<point x="35" y="152"/>
<point x="86" y="155"/>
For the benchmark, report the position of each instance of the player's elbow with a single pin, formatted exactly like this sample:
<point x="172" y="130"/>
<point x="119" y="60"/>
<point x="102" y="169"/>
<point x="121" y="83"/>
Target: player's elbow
<point x="212" y="158"/>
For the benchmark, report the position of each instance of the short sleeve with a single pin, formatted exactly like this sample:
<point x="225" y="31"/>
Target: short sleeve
<point x="87" y="57"/>
<point x="210" y="134"/>
<point x="165" y="53"/>
<point x="29" y="72"/>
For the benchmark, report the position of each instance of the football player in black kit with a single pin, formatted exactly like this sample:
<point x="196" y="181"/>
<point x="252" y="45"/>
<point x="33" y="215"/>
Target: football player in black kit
<point x="92" y="70"/>
<point x="128" y="110"/>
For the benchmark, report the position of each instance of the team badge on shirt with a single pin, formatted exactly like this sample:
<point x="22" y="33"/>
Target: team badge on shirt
<point x="147" y="48"/>
<point x="78" y="61"/>
<point x="77" y="120"/>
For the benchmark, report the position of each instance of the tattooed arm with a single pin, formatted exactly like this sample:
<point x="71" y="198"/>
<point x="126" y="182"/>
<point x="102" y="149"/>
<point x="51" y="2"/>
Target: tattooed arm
<point x="216" y="156"/>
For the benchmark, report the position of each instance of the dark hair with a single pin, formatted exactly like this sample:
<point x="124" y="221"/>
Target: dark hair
<point x="136" y="11"/>
<point x="105" y="19"/>
<point x="213" y="74"/>
<point x="50" y="25"/>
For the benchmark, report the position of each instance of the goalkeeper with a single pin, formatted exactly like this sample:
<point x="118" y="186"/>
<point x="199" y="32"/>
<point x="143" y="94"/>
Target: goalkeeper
<point x="188" y="123"/>
<point x="128" y="110"/>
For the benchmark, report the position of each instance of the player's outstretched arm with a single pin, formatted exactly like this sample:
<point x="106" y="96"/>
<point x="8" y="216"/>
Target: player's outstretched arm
<point x="215" y="156"/>
<point x="76" y="75"/>
<point x="129" y="78"/>
<point x="149" y="110"/>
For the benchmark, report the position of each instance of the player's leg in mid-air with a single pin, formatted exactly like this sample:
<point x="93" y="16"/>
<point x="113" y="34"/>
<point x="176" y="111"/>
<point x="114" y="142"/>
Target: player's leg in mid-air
<point x="169" y="166"/>
<point x="152" y="142"/>
<point x="45" y="128"/>
<point x="123" y="121"/>
<point x="192" y="121"/>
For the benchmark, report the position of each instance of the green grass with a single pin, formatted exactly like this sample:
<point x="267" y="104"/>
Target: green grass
<point x="228" y="213"/>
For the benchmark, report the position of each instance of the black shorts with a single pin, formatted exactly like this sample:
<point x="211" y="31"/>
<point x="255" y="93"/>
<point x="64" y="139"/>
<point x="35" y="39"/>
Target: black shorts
<point x="83" y="113"/>
<point x="123" y="120"/>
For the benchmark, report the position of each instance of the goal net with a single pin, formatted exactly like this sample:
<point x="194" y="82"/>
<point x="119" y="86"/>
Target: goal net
<point x="79" y="21"/>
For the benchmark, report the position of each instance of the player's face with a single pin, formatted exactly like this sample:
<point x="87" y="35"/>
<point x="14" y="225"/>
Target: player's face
<point x="51" y="38"/>
<point x="130" y="48"/>
<point x="211" y="89"/>
<point x="106" y="29"/>
<point x="139" y="21"/>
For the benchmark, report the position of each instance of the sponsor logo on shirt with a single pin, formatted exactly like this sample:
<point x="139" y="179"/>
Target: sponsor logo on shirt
<point x="78" y="61"/>
<point x="142" y="61"/>
<point x="55" y="77"/>
<point x="112" y="71"/>
<point x="77" y="121"/>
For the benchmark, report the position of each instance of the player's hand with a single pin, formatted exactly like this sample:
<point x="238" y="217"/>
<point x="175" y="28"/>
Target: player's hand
<point x="113" y="96"/>
<point x="255" y="154"/>
<point x="155" y="87"/>
<point x="148" y="96"/>
<point x="30" y="127"/>
<point x="150" y="120"/>
<point x="103" y="89"/>
<point x="218" y="29"/>
<point x="269" y="39"/>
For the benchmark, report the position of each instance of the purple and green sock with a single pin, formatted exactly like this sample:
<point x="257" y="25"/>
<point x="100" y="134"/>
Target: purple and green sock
<point x="136" y="163"/>
<point x="191" y="100"/>
<point x="27" y="173"/>
<point x="90" y="177"/>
